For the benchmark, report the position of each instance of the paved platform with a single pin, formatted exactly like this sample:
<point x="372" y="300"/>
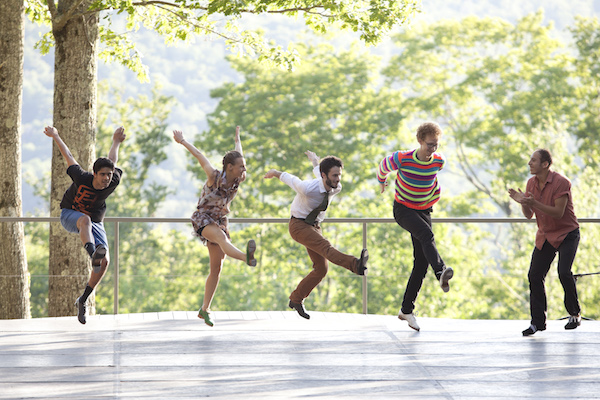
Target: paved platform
<point x="278" y="355"/>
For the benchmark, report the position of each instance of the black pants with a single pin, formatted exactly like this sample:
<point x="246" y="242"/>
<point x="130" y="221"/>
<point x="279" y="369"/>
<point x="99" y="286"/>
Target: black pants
<point x="540" y="265"/>
<point x="418" y="223"/>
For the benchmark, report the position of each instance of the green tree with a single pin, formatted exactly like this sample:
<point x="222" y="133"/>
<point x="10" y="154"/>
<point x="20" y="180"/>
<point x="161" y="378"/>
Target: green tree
<point x="138" y="195"/>
<point x="586" y="34"/>
<point x="145" y="122"/>
<point x="586" y="128"/>
<point x="332" y="105"/>
<point x="329" y="104"/>
<point x="76" y="32"/>
<point x="500" y="91"/>
<point x="492" y="121"/>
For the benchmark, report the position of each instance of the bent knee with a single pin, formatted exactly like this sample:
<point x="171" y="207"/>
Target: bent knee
<point x="84" y="220"/>
<point x="321" y="270"/>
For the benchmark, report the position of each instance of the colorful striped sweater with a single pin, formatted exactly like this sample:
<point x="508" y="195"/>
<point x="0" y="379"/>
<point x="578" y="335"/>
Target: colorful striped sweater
<point x="417" y="186"/>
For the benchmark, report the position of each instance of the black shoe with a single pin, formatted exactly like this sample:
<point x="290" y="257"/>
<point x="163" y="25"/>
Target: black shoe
<point x="532" y="329"/>
<point x="98" y="255"/>
<point x="300" y="309"/>
<point x="361" y="265"/>
<point x="574" y="322"/>
<point x="80" y="310"/>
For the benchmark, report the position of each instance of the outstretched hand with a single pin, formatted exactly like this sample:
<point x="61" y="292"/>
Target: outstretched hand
<point x="312" y="157"/>
<point x="178" y="136"/>
<point x="50" y="131"/>
<point x="272" y="173"/>
<point x="119" y="135"/>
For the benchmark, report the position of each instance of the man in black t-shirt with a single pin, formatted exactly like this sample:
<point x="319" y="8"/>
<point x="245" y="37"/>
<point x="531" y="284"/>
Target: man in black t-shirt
<point x="83" y="207"/>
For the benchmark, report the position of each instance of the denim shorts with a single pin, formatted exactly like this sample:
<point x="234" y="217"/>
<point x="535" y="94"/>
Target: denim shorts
<point x="68" y="219"/>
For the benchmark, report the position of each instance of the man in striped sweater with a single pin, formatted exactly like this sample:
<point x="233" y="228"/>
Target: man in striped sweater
<point x="417" y="190"/>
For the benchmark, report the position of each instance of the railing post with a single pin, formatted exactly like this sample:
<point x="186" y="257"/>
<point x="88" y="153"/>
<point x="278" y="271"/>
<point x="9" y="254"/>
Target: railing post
<point x="364" y="279"/>
<point x="116" y="273"/>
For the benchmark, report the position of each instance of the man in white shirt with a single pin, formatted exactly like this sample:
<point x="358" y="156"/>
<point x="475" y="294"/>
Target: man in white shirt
<point x="308" y="211"/>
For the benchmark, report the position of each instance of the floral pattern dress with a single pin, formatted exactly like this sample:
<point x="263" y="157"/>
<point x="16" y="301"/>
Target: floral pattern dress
<point x="213" y="205"/>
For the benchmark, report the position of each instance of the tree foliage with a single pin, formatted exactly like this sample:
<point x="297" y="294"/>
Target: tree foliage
<point x="182" y="20"/>
<point x="329" y="105"/>
<point x="500" y="90"/>
<point x="498" y="93"/>
<point x="76" y="30"/>
<point x="586" y="127"/>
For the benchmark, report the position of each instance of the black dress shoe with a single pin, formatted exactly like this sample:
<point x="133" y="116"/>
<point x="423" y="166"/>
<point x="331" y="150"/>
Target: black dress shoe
<point x="300" y="309"/>
<point x="361" y="265"/>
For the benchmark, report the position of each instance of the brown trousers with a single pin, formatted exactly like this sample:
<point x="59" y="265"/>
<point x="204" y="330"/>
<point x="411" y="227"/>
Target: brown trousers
<point x="319" y="250"/>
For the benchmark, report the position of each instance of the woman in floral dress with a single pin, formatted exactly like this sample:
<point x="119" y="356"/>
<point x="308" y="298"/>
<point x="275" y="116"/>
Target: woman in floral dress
<point x="210" y="218"/>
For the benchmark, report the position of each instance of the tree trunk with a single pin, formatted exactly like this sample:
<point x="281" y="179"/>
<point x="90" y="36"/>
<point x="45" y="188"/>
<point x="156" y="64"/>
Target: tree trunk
<point x="75" y="85"/>
<point x="14" y="277"/>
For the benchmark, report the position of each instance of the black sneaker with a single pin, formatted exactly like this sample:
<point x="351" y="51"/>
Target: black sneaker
<point x="574" y="322"/>
<point x="299" y="307"/>
<point x="81" y="309"/>
<point x="532" y="329"/>
<point x="98" y="255"/>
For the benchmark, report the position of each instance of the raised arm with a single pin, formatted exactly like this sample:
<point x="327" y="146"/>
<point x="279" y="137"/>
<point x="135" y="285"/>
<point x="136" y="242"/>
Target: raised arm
<point x="314" y="159"/>
<point x="204" y="163"/>
<point x="51" y="131"/>
<point x="238" y="142"/>
<point x="118" y="138"/>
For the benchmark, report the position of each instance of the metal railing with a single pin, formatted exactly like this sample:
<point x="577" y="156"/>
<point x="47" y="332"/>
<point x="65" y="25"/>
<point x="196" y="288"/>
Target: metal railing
<point x="364" y="221"/>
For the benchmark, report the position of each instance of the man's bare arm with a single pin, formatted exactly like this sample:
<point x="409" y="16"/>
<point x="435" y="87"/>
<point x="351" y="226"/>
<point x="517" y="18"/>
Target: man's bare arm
<point x="51" y="131"/>
<point x="118" y="138"/>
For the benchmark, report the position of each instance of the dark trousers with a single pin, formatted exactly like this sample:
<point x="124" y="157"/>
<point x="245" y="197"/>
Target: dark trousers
<point x="418" y="223"/>
<point x="320" y="251"/>
<point x="540" y="265"/>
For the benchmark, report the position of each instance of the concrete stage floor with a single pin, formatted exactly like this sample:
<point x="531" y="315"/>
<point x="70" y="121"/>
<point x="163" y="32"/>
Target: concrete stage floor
<point x="278" y="355"/>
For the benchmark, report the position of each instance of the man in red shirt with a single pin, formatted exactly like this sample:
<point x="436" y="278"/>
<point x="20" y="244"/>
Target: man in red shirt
<point x="548" y="196"/>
